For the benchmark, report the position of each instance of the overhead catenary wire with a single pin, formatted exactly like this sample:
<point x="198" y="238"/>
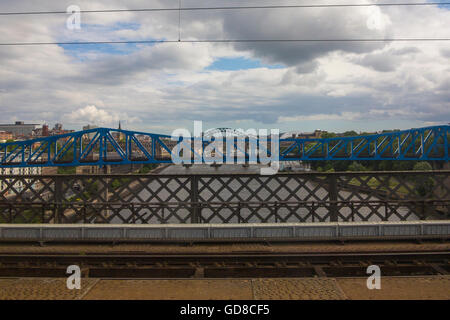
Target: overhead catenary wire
<point x="233" y="8"/>
<point x="221" y="41"/>
<point x="179" y="20"/>
<point x="180" y="8"/>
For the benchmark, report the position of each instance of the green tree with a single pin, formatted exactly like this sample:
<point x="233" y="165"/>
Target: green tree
<point x="11" y="147"/>
<point x="350" y="133"/>
<point x="423" y="184"/>
<point x="146" y="168"/>
<point x="67" y="170"/>
<point x="356" y="166"/>
<point x="326" y="135"/>
<point x="422" y="166"/>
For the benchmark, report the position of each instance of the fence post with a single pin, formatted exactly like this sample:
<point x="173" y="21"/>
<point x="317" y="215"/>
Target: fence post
<point x="333" y="194"/>
<point x="58" y="197"/>
<point x="133" y="216"/>
<point x="386" y="211"/>
<point x="163" y="216"/>
<point x="43" y="213"/>
<point x="423" y="208"/>
<point x="276" y="211"/>
<point x="106" y="212"/>
<point x="84" y="214"/>
<point x="239" y="212"/>
<point x="194" y="199"/>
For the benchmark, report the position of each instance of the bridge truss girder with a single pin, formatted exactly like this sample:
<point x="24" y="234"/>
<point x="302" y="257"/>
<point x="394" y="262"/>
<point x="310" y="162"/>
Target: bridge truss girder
<point x="103" y="146"/>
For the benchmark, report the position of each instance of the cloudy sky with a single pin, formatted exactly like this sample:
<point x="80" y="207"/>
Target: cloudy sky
<point x="333" y="86"/>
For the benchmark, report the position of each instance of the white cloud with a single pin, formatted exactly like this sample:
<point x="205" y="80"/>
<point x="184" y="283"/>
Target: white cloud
<point x="163" y="85"/>
<point x="321" y="117"/>
<point x="93" y="115"/>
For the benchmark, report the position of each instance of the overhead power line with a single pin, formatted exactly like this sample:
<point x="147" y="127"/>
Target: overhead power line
<point x="232" y="8"/>
<point x="221" y="41"/>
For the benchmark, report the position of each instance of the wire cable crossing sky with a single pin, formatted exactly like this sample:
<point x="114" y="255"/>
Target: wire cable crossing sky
<point x="222" y="41"/>
<point x="233" y="8"/>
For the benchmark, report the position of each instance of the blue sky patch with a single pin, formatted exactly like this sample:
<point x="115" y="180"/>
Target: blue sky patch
<point x="241" y="63"/>
<point x="82" y="52"/>
<point x="442" y="6"/>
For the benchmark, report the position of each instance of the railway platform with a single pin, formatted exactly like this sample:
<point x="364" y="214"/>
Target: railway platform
<point x="423" y="287"/>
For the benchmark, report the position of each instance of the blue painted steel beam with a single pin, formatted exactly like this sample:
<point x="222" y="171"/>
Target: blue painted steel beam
<point x="103" y="146"/>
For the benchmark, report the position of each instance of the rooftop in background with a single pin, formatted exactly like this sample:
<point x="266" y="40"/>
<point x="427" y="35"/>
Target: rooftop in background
<point x="19" y="123"/>
<point x="19" y="128"/>
<point x="303" y="135"/>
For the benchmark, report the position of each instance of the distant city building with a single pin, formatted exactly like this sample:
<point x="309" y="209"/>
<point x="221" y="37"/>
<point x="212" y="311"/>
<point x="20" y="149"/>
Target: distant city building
<point x="19" y="129"/>
<point x="90" y="127"/>
<point x="45" y="132"/>
<point x="58" y="129"/>
<point x="295" y="166"/>
<point x="121" y="135"/>
<point x="303" y="135"/>
<point x="37" y="132"/>
<point x="4" y="136"/>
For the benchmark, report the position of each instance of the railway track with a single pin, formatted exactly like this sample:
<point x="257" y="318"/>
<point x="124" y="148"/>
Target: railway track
<point x="232" y="265"/>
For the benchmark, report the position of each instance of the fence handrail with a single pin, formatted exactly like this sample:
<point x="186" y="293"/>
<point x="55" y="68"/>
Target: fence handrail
<point x="224" y="202"/>
<point x="250" y="174"/>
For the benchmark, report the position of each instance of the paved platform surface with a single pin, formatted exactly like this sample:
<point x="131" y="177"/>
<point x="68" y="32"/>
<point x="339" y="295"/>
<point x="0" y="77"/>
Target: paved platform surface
<point x="430" y="287"/>
<point x="423" y="288"/>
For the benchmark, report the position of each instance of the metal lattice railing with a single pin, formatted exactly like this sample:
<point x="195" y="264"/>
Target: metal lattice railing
<point x="234" y="198"/>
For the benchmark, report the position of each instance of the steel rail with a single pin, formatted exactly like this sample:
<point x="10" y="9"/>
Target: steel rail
<point x="231" y="256"/>
<point x="225" y="266"/>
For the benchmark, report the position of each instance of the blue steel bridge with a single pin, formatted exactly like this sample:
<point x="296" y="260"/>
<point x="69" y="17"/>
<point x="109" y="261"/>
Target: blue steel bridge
<point x="104" y="146"/>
